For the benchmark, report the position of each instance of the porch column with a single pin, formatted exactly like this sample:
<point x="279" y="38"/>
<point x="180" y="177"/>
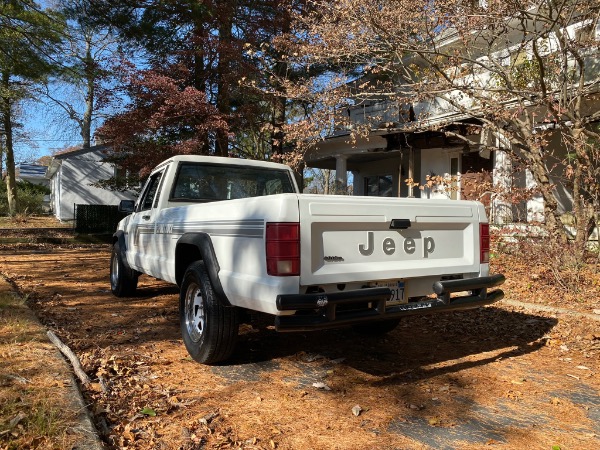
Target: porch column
<point x="400" y="177"/>
<point x="341" y="176"/>
<point x="502" y="209"/>
<point x="411" y="170"/>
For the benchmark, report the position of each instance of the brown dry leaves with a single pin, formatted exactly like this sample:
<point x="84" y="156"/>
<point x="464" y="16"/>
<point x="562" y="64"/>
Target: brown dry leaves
<point x="147" y="393"/>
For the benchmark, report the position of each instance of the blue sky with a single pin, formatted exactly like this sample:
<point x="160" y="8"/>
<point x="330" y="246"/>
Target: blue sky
<point x="42" y="136"/>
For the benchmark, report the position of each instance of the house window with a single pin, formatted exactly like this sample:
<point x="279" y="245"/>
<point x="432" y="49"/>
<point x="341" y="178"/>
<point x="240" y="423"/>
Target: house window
<point x="379" y="186"/>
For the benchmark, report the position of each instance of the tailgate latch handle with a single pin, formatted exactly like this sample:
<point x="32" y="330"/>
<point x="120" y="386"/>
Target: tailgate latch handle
<point x="399" y="224"/>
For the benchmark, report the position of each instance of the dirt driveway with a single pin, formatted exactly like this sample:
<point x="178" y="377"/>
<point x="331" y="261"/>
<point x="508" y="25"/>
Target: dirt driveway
<point x="496" y="377"/>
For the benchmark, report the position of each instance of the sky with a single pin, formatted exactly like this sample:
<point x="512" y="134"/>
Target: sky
<point x="43" y="132"/>
<point x="43" y="139"/>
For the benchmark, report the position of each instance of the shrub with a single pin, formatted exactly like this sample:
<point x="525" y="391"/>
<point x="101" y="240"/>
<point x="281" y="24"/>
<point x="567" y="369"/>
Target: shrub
<point x="30" y="198"/>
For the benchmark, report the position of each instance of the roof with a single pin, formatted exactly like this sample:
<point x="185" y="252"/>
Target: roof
<point x="70" y="152"/>
<point x="32" y="171"/>
<point x="59" y="157"/>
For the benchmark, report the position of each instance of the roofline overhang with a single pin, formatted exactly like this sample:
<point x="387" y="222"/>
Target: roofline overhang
<point x="53" y="167"/>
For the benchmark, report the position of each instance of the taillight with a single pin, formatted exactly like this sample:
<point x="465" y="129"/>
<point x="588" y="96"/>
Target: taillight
<point x="283" y="249"/>
<point x="484" y="243"/>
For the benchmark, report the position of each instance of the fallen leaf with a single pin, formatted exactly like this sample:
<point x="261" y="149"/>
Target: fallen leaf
<point x="148" y="412"/>
<point x="321" y="385"/>
<point x="356" y="410"/>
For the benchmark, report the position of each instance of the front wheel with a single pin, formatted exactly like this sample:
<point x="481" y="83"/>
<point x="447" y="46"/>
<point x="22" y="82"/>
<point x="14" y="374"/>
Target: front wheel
<point x="123" y="280"/>
<point x="209" y="328"/>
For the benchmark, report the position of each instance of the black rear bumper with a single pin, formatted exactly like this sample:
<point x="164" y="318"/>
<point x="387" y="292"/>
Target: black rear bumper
<point x="331" y="310"/>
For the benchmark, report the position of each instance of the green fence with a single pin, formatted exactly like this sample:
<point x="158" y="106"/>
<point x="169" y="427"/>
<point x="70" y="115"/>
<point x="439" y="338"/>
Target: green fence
<point x="97" y="219"/>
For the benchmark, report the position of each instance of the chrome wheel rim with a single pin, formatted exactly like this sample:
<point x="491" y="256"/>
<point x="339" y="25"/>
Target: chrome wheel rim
<point x="194" y="313"/>
<point x="114" y="272"/>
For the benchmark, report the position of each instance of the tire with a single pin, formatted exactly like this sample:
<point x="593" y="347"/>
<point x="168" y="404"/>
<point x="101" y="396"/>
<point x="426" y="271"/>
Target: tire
<point x="209" y="328"/>
<point x="123" y="280"/>
<point x="376" y="328"/>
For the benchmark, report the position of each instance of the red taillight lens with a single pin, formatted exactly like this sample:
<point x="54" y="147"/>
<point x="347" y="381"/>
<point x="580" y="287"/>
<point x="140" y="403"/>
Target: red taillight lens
<point x="283" y="249"/>
<point x="484" y="243"/>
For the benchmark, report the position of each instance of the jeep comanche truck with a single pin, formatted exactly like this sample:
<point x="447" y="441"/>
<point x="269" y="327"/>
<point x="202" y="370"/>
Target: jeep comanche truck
<point x="238" y="238"/>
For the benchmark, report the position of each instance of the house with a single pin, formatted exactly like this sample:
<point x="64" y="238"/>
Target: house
<point x="382" y="161"/>
<point x="73" y="174"/>
<point x="33" y="173"/>
<point x="448" y="136"/>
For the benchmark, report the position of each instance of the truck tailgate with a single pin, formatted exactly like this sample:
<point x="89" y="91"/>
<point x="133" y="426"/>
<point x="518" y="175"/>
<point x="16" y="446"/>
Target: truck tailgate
<point x="351" y="239"/>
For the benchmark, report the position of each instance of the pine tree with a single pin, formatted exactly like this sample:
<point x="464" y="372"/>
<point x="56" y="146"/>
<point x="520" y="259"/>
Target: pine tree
<point x="28" y="38"/>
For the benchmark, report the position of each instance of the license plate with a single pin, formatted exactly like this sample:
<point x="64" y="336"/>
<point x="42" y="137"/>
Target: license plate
<point x="398" y="290"/>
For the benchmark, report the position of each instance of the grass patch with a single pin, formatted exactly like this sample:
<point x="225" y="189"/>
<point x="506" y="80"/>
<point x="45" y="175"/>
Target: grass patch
<point x="26" y="221"/>
<point x="35" y="410"/>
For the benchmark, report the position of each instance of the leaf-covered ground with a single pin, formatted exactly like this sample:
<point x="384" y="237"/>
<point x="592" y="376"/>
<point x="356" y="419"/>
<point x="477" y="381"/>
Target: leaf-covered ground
<point x="503" y="376"/>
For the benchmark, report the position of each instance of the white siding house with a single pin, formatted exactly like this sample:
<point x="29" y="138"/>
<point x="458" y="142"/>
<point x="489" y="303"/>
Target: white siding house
<point x="393" y="150"/>
<point x="72" y="174"/>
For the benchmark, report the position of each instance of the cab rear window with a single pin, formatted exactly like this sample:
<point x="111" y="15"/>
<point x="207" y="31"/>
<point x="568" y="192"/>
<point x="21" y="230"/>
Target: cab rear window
<point x="212" y="182"/>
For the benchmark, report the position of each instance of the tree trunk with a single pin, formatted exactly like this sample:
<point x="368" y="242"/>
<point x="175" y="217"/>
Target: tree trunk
<point x="6" y="113"/>
<point x="199" y="73"/>
<point x="223" y="86"/>
<point x="551" y="214"/>
<point x="90" y="76"/>
<point x="278" y="122"/>
<point x="535" y="158"/>
<point x="583" y="208"/>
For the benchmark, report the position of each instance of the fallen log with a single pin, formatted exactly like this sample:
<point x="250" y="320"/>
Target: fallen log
<point x="72" y="357"/>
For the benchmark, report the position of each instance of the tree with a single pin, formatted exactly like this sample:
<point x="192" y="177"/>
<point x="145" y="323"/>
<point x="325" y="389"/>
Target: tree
<point x="210" y="47"/>
<point x="320" y="181"/>
<point x="28" y="38"/>
<point x="164" y="117"/>
<point x="522" y="71"/>
<point x="77" y="87"/>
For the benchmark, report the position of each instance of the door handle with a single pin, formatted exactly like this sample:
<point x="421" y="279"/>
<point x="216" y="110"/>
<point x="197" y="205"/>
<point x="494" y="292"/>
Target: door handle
<point x="400" y="224"/>
<point x="146" y="217"/>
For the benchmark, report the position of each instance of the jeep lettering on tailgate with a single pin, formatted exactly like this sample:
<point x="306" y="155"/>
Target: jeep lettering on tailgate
<point x="409" y="246"/>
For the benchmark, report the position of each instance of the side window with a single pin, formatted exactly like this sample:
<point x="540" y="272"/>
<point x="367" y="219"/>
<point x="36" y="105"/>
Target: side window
<point x="150" y="192"/>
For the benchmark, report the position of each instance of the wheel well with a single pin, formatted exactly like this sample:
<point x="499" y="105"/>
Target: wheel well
<point x="185" y="254"/>
<point x="120" y="238"/>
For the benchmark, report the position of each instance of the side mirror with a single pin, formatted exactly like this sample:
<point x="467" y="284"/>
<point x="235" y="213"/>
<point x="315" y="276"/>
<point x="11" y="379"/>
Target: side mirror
<point x="127" y="206"/>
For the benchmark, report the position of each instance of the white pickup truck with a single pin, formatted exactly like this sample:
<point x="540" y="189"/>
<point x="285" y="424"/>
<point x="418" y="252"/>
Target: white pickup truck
<point x="237" y="237"/>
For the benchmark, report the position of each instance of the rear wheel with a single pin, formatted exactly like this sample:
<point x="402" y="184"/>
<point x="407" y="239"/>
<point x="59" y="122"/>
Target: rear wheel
<point x="376" y="328"/>
<point x="209" y="328"/>
<point x="123" y="279"/>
